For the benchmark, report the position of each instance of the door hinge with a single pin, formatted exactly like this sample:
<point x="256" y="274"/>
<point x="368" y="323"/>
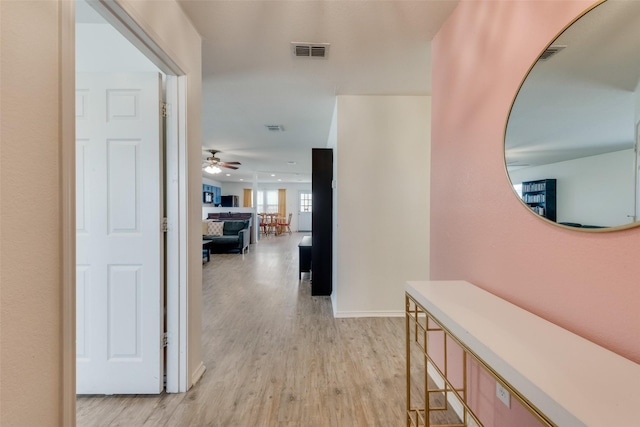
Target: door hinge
<point x="165" y="225"/>
<point x="165" y="109"/>
<point x="165" y="339"/>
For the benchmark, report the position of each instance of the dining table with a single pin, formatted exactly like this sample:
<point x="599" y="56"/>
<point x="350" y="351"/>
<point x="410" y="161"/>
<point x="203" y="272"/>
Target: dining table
<point x="269" y="222"/>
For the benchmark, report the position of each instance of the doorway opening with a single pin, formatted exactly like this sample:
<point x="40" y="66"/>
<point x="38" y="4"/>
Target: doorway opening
<point x="122" y="49"/>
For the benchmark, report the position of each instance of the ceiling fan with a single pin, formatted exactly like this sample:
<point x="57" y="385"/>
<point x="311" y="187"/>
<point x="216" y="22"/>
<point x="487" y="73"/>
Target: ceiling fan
<point x="213" y="163"/>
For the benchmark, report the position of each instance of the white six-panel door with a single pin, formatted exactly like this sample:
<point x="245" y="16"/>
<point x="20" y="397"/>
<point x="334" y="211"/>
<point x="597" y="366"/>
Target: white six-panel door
<point x="118" y="232"/>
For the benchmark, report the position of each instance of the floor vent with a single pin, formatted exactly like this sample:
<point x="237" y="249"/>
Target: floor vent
<point x="310" y="50"/>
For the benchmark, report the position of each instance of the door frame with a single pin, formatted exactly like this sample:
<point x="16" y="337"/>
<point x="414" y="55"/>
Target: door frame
<point x="176" y="184"/>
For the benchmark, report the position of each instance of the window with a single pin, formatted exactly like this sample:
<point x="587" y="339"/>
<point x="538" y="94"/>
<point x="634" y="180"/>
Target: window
<point x="268" y="201"/>
<point x="305" y="202"/>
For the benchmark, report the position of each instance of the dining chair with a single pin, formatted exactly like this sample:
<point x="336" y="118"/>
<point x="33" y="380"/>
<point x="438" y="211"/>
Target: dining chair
<point x="272" y="223"/>
<point x="285" y="226"/>
<point x="264" y="224"/>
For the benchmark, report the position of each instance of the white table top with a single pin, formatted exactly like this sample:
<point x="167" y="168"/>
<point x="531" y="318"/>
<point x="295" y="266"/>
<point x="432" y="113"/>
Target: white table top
<point x="573" y="381"/>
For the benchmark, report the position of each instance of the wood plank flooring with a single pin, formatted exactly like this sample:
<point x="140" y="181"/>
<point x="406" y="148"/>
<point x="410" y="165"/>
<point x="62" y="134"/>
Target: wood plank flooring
<point x="275" y="356"/>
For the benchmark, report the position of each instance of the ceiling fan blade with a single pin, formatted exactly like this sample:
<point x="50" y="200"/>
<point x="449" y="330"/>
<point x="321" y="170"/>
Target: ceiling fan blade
<point x="212" y="160"/>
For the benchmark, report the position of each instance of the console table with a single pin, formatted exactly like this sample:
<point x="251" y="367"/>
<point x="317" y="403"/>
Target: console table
<point x="206" y="251"/>
<point x="560" y="377"/>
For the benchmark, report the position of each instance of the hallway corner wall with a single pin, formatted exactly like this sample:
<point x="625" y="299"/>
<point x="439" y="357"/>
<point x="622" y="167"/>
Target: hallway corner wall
<point x="31" y="274"/>
<point x="383" y="173"/>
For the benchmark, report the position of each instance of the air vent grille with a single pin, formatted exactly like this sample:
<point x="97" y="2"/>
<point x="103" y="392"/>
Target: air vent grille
<point x="275" y="128"/>
<point x="318" y="51"/>
<point x="550" y="51"/>
<point x="310" y="50"/>
<point x="302" y="50"/>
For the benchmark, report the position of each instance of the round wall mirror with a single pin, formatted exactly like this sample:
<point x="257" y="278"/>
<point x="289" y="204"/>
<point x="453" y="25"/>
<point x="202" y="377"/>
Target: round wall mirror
<point x="572" y="135"/>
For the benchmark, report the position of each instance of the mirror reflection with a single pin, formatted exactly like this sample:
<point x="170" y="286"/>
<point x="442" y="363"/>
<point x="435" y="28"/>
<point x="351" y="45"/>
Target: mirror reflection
<point x="571" y="139"/>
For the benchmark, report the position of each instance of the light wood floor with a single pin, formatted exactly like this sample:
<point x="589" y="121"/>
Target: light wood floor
<point x="275" y="356"/>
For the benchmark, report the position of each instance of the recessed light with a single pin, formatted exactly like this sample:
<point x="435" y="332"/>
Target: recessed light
<point x="228" y="174"/>
<point x="241" y="179"/>
<point x="279" y="179"/>
<point x="273" y="174"/>
<point x="291" y="162"/>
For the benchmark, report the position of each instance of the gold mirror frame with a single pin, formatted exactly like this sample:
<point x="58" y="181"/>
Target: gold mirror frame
<point x="523" y="109"/>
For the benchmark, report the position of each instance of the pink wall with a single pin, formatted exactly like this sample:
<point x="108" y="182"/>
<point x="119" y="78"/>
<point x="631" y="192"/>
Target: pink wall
<point x="488" y="408"/>
<point x="588" y="283"/>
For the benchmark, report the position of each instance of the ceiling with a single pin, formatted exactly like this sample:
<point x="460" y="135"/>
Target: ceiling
<point x="579" y="103"/>
<point x="251" y="78"/>
<point x="582" y="101"/>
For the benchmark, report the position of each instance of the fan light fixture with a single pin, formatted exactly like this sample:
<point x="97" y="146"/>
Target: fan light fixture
<point x="212" y="169"/>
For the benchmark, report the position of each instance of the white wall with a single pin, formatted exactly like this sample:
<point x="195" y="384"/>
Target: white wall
<point x="382" y="224"/>
<point x="237" y="189"/>
<point x="210" y="181"/>
<point x="596" y="190"/>
<point x="332" y="142"/>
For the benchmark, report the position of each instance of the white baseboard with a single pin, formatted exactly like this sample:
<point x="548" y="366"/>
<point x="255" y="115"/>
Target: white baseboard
<point x="455" y="404"/>
<point x="197" y="374"/>
<point x="390" y="313"/>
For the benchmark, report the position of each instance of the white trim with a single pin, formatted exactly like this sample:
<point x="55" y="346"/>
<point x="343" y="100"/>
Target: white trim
<point x="173" y="266"/>
<point x="384" y="313"/>
<point x="67" y="18"/>
<point x="455" y="404"/>
<point x="198" y="373"/>
<point x="183" y="196"/>
<point x="334" y="300"/>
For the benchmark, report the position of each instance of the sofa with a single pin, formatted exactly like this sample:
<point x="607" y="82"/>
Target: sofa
<point x="226" y="236"/>
<point x="235" y="216"/>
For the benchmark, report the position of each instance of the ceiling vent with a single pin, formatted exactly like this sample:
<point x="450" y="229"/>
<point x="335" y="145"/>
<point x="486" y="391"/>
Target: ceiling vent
<point x="275" y="128"/>
<point x="550" y="51"/>
<point x="310" y="50"/>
